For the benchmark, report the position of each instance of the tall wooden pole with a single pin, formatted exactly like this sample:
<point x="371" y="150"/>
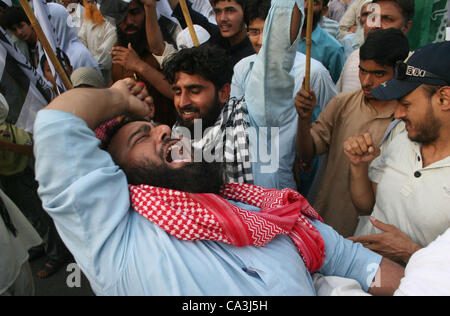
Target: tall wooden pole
<point x="45" y="44"/>
<point x="309" y="26"/>
<point x="187" y="18"/>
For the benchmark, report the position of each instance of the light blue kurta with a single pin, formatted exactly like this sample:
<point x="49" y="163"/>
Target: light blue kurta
<point x="267" y="81"/>
<point x="327" y="50"/>
<point x="122" y="253"/>
<point x="321" y="82"/>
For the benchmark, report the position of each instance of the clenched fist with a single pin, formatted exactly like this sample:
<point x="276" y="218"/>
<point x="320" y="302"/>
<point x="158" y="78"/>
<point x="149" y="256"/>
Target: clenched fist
<point x="360" y="149"/>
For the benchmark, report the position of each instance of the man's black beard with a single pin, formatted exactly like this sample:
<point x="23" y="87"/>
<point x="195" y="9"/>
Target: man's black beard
<point x="138" y="40"/>
<point x="316" y="19"/>
<point x="209" y="120"/>
<point x="200" y="177"/>
<point x="429" y="128"/>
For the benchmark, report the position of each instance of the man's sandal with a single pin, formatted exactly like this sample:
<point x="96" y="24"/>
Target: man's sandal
<point x="50" y="268"/>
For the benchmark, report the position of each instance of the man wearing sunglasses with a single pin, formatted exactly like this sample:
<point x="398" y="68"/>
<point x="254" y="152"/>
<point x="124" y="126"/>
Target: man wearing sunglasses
<point x="408" y="185"/>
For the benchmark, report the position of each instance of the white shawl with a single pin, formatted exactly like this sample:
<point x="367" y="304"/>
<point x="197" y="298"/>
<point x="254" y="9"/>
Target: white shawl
<point x="68" y="40"/>
<point x="428" y="270"/>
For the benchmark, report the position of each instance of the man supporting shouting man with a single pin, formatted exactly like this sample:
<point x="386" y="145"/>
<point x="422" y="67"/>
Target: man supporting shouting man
<point x="130" y="249"/>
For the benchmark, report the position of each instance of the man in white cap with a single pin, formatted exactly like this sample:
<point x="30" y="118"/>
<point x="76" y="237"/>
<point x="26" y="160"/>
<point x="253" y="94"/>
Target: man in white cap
<point x="184" y="38"/>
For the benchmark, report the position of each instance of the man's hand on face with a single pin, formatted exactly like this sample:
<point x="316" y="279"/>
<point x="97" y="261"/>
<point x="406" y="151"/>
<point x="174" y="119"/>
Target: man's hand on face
<point x="360" y="149"/>
<point x="126" y="57"/>
<point x="136" y="96"/>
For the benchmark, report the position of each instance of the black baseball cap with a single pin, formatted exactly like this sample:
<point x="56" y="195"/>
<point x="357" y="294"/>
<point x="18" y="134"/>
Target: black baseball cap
<point x="429" y="64"/>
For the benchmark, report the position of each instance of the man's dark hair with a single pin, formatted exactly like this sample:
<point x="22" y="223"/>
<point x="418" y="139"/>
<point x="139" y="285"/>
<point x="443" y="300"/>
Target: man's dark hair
<point x="14" y="15"/>
<point x="430" y="90"/>
<point x="385" y="47"/>
<point x="210" y="62"/>
<point x="242" y="3"/>
<point x="256" y="9"/>
<point x="111" y="130"/>
<point x="407" y="7"/>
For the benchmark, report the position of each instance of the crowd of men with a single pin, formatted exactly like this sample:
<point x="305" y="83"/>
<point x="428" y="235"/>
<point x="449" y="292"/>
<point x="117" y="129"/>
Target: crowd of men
<point x="172" y="167"/>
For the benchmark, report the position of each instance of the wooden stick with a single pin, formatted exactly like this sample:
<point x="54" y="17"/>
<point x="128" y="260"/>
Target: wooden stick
<point x="187" y="18"/>
<point x="45" y="44"/>
<point x="309" y="25"/>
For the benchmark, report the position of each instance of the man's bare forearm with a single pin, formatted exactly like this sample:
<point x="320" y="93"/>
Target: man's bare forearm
<point x="295" y="23"/>
<point x="361" y="188"/>
<point x="153" y="31"/>
<point x="16" y="148"/>
<point x="156" y="79"/>
<point x="94" y="106"/>
<point x="305" y="143"/>
<point x="387" y="278"/>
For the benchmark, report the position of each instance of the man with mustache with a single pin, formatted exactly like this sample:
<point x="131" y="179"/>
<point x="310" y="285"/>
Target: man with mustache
<point x="230" y="33"/>
<point x="407" y="188"/>
<point x="346" y="115"/>
<point x="132" y="58"/>
<point x="147" y="240"/>
<point x="240" y="129"/>
<point x="325" y="48"/>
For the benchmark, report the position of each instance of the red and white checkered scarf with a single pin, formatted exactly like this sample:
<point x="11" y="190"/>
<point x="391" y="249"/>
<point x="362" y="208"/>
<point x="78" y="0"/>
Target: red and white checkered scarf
<point x="194" y="217"/>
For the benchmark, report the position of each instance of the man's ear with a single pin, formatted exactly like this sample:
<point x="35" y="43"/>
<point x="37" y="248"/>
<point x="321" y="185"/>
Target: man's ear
<point x="224" y="93"/>
<point x="444" y="98"/>
<point x="405" y="29"/>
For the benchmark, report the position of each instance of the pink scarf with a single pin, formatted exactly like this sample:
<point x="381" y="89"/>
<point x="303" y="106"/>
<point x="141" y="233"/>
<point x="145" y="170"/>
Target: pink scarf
<point x="194" y="217"/>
